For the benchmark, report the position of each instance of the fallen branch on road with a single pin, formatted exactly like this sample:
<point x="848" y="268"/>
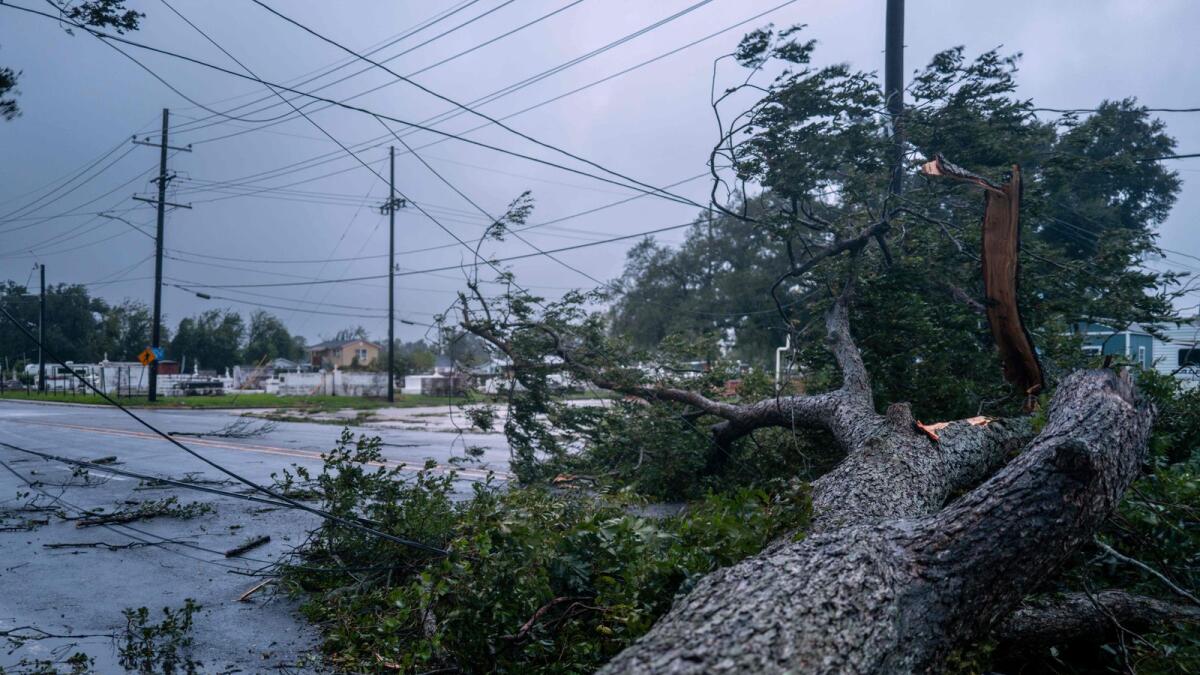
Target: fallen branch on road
<point x="168" y="507"/>
<point x="247" y="546"/>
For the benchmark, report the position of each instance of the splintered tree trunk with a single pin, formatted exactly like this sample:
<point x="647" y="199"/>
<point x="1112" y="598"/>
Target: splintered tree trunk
<point x="893" y="578"/>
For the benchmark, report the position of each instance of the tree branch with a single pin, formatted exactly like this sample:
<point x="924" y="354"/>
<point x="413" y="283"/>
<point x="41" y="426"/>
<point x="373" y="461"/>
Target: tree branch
<point x="846" y="412"/>
<point x="1083" y="617"/>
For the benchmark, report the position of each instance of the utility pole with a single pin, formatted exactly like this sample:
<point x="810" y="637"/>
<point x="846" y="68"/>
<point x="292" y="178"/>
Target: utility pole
<point x="162" y="204"/>
<point x="390" y="208"/>
<point x="42" y="334"/>
<point x="893" y="87"/>
<point x="391" y="274"/>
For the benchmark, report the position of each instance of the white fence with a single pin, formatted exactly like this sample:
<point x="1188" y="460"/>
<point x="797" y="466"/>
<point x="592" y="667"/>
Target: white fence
<point x="332" y="383"/>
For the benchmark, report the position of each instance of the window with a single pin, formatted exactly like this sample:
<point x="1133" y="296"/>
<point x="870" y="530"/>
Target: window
<point x="1189" y="357"/>
<point x="1091" y="350"/>
<point x="1142" y="356"/>
<point x="361" y="355"/>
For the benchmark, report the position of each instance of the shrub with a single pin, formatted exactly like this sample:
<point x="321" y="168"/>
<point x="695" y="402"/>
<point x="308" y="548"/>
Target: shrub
<point x="536" y="580"/>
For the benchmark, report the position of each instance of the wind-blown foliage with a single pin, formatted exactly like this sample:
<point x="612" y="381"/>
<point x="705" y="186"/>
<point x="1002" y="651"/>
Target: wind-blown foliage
<point x="95" y="13"/>
<point x="817" y="143"/>
<point x="535" y="580"/>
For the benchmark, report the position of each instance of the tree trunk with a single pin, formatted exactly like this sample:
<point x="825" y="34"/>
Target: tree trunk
<point x="892" y="578"/>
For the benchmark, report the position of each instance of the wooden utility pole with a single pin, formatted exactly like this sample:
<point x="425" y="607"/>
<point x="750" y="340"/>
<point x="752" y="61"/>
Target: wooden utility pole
<point x="893" y="87"/>
<point x="42" y="334"/>
<point x="389" y="208"/>
<point x="391" y="275"/>
<point x="161" y="203"/>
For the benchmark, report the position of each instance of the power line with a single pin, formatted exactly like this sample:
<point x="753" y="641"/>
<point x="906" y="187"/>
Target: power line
<point x="228" y="472"/>
<point x="1096" y="110"/>
<point x="449" y="267"/>
<point x="117" y="38"/>
<point x="548" y="223"/>
<point x="286" y="116"/>
<point x="123" y="529"/>
<point x="108" y="468"/>
<point x="512" y="88"/>
<point x="324" y="158"/>
<point x="212" y="296"/>
<point x="299" y="81"/>
<point x="490" y="119"/>
<point x="479" y="208"/>
<point x="1157" y="159"/>
<point x="341" y="145"/>
<point x="72" y="211"/>
<point x="13" y="213"/>
<point x="279" y="119"/>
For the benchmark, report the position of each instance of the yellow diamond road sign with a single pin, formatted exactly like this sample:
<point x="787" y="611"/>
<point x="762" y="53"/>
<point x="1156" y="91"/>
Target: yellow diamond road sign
<point x="146" y="357"/>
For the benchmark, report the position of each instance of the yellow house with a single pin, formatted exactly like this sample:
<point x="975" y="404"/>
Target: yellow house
<point x="343" y="353"/>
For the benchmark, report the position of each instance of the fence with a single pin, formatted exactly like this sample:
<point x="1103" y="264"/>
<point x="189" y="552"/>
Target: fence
<point x="332" y="383"/>
<point x="120" y="380"/>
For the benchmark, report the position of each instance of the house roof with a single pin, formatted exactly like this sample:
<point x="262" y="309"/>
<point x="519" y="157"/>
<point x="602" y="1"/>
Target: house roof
<point x="333" y="344"/>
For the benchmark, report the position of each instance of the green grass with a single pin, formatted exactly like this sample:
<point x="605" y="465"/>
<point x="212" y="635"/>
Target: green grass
<point x="250" y="400"/>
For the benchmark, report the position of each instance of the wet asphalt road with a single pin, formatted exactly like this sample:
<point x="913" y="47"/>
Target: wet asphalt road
<point x="82" y="590"/>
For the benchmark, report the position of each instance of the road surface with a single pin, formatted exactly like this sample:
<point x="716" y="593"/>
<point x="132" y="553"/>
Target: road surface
<point x="81" y="590"/>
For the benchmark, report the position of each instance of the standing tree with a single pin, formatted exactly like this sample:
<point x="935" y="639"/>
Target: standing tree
<point x="126" y="330"/>
<point x="212" y="339"/>
<point x="269" y="339"/>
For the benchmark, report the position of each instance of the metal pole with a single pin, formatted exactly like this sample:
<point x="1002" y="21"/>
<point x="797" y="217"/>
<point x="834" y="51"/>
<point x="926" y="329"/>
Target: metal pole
<point x="893" y="86"/>
<point x="42" y="334"/>
<point x="391" y="357"/>
<point x="152" y="392"/>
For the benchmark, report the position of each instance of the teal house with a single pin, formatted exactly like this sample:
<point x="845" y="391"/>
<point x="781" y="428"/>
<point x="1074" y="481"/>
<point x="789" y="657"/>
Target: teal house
<point x="1133" y="343"/>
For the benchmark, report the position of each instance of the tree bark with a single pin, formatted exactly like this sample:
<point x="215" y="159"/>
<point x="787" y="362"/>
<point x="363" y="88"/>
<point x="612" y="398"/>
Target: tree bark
<point x="1092" y="618"/>
<point x="893" y="579"/>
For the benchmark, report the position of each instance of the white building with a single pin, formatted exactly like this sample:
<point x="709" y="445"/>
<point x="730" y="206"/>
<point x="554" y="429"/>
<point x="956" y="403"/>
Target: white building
<point x="1179" y="353"/>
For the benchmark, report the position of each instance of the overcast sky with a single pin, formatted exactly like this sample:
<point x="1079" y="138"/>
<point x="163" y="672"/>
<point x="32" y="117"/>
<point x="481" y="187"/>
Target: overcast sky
<point x="81" y="99"/>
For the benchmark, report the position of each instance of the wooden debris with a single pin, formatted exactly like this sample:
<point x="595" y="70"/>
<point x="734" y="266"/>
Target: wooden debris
<point x="939" y="166"/>
<point x="1001" y="260"/>
<point x="111" y="459"/>
<point x="254" y="589"/>
<point x="113" y="519"/>
<point x="247" y="546"/>
<point x="931" y="430"/>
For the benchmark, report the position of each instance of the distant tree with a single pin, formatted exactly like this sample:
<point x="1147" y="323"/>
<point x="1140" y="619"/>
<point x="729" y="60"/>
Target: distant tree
<point x="79" y="327"/>
<point x="94" y="13"/>
<point x="464" y="349"/>
<point x="710" y="286"/>
<point x="270" y="339"/>
<point x="212" y="340"/>
<point x="411" y="358"/>
<point x="125" y="330"/>
<point x="72" y="317"/>
<point x="353" y="333"/>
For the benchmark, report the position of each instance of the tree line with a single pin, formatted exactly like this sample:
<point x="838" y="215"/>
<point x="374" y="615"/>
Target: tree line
<point x="85" y="329"/>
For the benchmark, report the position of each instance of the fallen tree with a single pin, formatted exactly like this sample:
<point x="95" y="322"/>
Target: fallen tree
<point x="891" y="578"/>
<point x="827" y="530"/>
<point x="891" y="581"/>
